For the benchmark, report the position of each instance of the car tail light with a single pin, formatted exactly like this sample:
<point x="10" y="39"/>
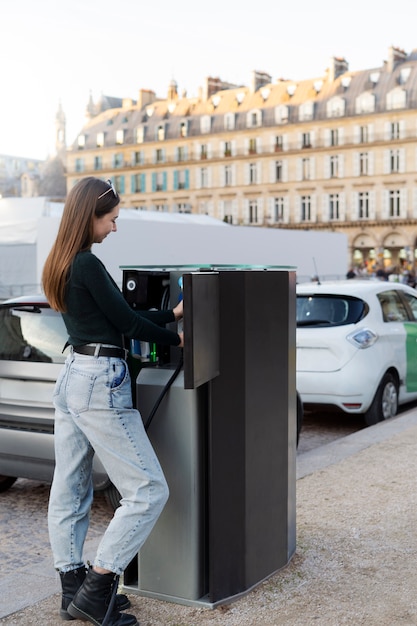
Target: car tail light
<point x="362" y="338"/>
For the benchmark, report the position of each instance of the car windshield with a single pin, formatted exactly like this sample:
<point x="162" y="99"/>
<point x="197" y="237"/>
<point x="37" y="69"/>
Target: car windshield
<point x="31" y="333"/>
<point x="329" y="310"/>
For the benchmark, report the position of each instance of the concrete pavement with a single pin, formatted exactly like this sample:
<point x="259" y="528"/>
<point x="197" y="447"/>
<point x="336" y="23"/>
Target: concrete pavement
<point x="356" y="548"/>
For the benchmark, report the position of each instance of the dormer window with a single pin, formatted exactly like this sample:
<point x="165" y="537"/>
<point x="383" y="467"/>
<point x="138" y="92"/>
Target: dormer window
<point x="306" y="111"/>
<point x="81" y="142"/>
<point x="254" y="118"/>
<point x="229" y="121"/>
<point x="397" y="98"/>
<point x="404" y="74"/>
<point x="281" y="114"/>
<point x="205" y="124"/>
<point x="120" y="136"/>
<point x="160" y="132"/>
<point x="183" y="129"/>
<point x="140" y="134"/>
<point x="365" y="103"/>
<point x="100" y="140"/>
<point x="336" y="107"/>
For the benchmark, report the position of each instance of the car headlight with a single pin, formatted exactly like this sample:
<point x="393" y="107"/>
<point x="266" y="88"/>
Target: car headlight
<point x="363" y="338"/>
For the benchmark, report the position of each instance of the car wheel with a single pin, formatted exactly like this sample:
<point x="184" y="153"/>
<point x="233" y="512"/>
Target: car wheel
<point x="6" y="482"/>
<point x="385" y="402"/>
<point x="112" y="497"/>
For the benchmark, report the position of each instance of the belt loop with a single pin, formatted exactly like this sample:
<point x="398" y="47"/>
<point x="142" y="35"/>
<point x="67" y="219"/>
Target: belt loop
<point x="97" y="350"/>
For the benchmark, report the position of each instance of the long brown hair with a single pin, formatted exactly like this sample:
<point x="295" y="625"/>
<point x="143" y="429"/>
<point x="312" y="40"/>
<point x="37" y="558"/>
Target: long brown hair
<point x="75" y="234"/>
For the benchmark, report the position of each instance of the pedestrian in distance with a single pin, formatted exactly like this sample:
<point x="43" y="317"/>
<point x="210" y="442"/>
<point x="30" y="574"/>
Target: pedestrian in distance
<point x="94" y="413"/>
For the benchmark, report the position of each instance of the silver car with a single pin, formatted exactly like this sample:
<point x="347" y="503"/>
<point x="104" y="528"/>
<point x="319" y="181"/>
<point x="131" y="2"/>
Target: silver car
<point x="32" y="338"/>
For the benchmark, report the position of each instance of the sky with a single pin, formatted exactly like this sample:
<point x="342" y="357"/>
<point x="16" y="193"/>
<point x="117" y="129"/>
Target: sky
<point x="59" y="51"/>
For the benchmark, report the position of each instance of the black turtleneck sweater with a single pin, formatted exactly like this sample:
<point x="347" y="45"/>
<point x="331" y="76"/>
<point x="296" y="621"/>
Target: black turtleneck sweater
<point x="97" y="312"/>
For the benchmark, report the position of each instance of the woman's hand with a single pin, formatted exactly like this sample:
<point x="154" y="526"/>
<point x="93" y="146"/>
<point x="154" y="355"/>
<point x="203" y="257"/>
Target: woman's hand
<point x="178" y="311"/>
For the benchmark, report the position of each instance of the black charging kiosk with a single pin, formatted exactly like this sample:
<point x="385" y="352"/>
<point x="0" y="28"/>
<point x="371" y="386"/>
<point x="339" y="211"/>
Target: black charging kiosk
<point x="224" y="431"/>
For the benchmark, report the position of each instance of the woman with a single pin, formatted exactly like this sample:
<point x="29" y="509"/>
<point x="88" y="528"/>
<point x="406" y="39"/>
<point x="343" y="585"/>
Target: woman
<point x="94" y="412"/>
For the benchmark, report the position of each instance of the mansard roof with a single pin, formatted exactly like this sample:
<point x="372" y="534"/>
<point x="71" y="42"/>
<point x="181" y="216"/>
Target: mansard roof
<point x="113" y="114"/>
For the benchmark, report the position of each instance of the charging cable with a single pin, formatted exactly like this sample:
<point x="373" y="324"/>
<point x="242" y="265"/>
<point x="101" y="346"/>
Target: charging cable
<point x="165" y="390"/>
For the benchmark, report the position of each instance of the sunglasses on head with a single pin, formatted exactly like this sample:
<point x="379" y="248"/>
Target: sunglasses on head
<point x="111" y="188"/>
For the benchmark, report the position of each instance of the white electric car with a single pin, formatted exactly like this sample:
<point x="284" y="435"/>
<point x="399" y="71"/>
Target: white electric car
<point x="357" y="346"/>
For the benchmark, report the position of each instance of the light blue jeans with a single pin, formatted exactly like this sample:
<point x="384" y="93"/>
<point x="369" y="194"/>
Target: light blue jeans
<point x="94" y="414"/>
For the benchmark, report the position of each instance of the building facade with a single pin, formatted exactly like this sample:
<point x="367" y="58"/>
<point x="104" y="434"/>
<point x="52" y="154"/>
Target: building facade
<point x="338" y="152"/>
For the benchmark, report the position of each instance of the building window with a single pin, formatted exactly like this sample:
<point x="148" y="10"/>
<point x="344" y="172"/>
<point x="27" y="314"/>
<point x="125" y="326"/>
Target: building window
<point x="363" y="134"/>
<point x="138" y="158"/>
<point x="183" y="129"/>
<point x="394" y="130"/>
<point x="253" y="212"/>
<point x="334" y="206"/>
<point x="138" y="183"/>
<point x="159" y="180"/>
<point x="334" y="137"/>
<point x="181" y="153"/>
<point x="119" y="183"/>
<point x="100" y="140"/>
<point x="363" y="205"/>
<point x="281" y="114"/>
<point x="159" y="155"/>
<point x="120" y="136"/>
<point x="394" y="161"/>
<point x="305" y="208"/>
<point x="365" y="103"/>
<point x="98" y="163"/>
<point x="205" y="124"/>
<point x="160" y="132"/>
<point x="278" y="143"/>
<point x="306" y="140"/>
<point x="79" y="165"/>
<point x="140" y="134"/>
<point x="278" y="210"/>
<point x="118" y="160"/>
<point x="278" y="171"/>
<point x="336" y="107"/>
<point x="203" y="151"/>
<point x="363" y="164"/>
<point x="228" y="181"/>
<point x="334" y="166"/>
<point x="203" y="177"/>
<point x="252" y="146"/>
<point x="253" y="119"/>
<point x="394" y="203"/>
<point x="306" y="111"/>
<point x="305" y="169"/>
<point x="181" y="179"/>
<point x="227" y="148"/>
<point x="229" y="121"/>
<point x="81" y="142"/>
<point x="252" y="173"/>
<point x="397" y="99"/>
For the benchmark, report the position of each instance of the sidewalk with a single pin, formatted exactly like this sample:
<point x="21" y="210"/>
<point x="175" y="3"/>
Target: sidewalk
<point x="356" y="558"/>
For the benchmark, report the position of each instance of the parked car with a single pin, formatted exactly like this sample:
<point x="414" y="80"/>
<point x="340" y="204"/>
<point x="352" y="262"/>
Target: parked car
<point x="357" y="347"/>
<point x="32" y="338"/>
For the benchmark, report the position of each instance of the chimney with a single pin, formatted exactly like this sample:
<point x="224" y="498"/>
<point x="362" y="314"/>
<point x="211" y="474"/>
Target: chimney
<point x="395" y="56"/>
<point x="146" y="96"/>
<point x="260" y="79"/>
<point x="338" y="66"/>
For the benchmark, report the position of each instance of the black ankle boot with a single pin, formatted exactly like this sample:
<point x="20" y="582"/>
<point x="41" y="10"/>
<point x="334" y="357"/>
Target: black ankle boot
<point x="71" y="582"/>
<point x="95" y="601"/>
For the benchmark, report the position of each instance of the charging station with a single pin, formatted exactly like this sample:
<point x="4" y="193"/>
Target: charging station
<point x="221" y="415"/>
